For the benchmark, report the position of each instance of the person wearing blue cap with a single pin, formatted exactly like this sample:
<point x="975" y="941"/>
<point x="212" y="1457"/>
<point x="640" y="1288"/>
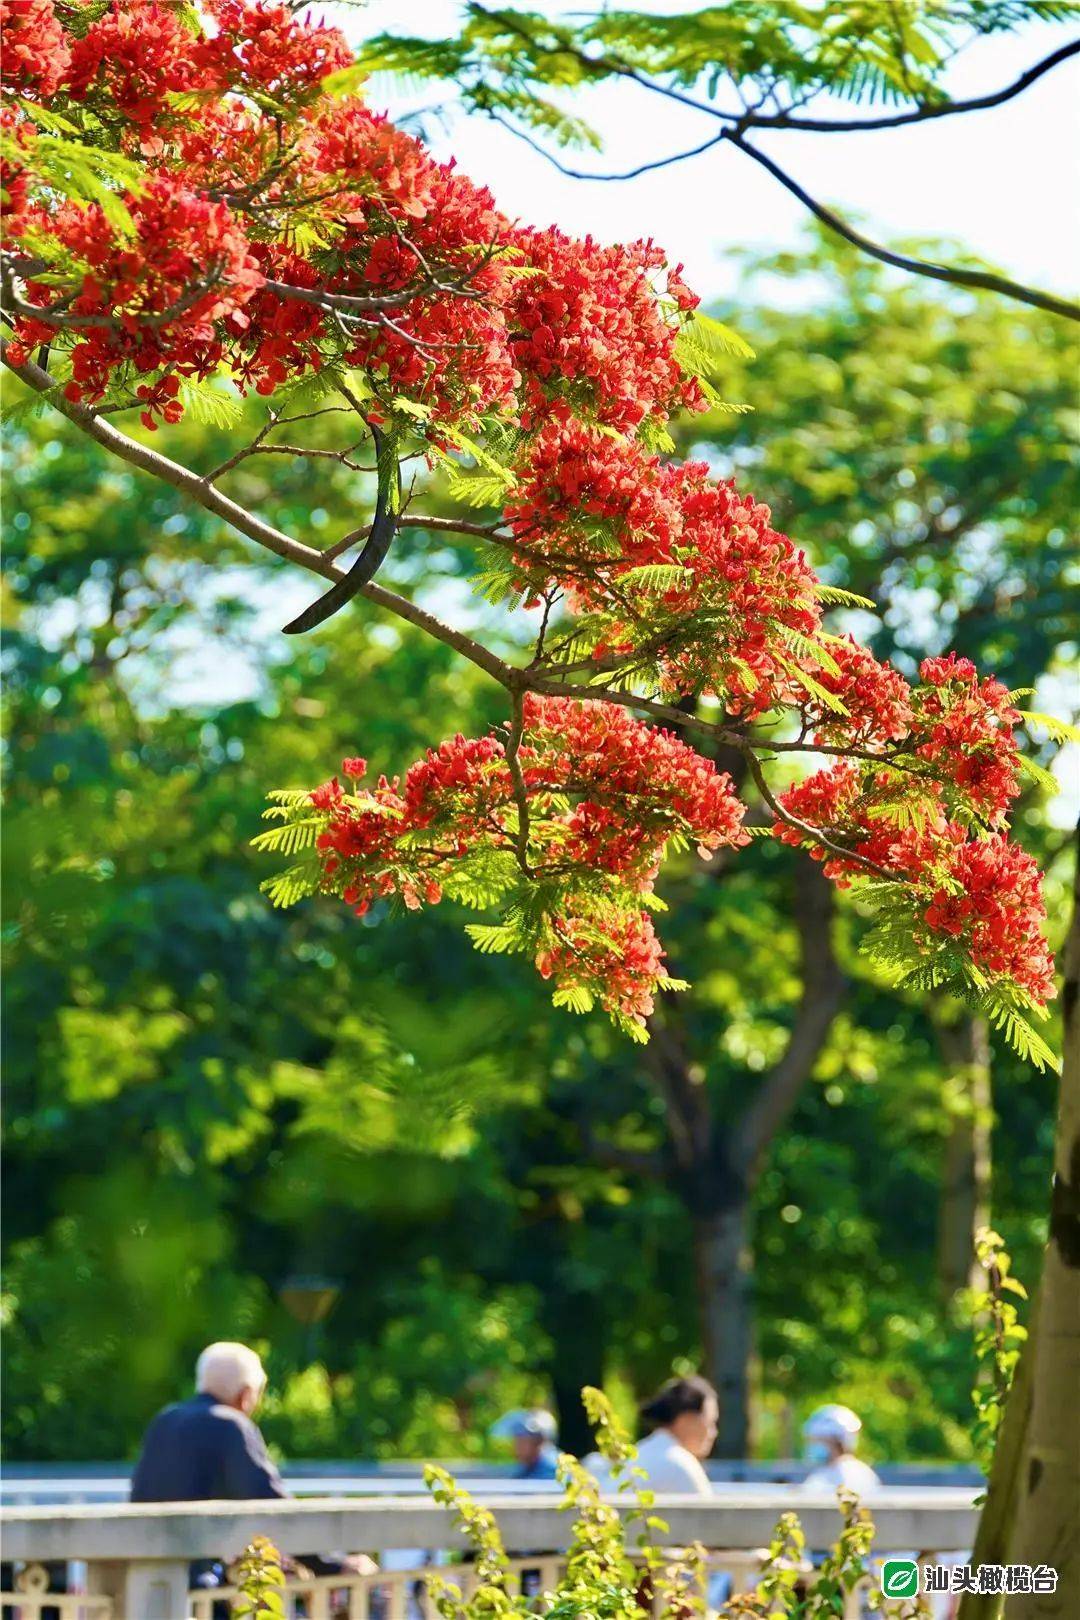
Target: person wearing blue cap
<point x="532" y="1434"/>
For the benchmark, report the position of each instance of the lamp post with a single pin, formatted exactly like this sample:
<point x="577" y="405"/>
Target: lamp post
<point x="309" y="1301"/>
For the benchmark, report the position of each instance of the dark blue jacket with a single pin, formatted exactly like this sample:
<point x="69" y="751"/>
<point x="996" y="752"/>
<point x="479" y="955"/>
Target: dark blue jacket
<point x="199" y="1451"/>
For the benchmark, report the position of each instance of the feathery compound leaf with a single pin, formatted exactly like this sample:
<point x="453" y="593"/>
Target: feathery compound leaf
<point x="48" y="119"/>
<point x="656" y="577"/>
<point x="289" y="838"/>
<point x="714" y="338"/>
<point x="476" y="489"/>
<point x="495" y="581"/>
<point x="834" y="596"/>
<point x="828" y="699"/>
<point x="480" y="455"/>
<point x="293" y="884"/>
<point x="804" y="646"/>
<point x="574" y="997"/>
<point x="496" y="938"/>
<point x="205" y="403"/>
<point x="291" y="798"/>
<point x="1039" y="775"/>
<point x="1059" y="731"/>
<point x="1025" y="1041"/>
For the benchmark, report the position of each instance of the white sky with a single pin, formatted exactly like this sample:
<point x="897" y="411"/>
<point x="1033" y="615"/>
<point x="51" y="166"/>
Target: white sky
<point x="1003" y="182"/>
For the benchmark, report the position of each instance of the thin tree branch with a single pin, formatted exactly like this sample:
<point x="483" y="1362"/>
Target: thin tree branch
<point x="247" y="523"/>
<point x="922" y="114"/>
<point x="521" y="791"/>
<point x="750" y="118"/>
<point x="736" y="124"/>
<point x="815" y="834"/>
<point x="953" y="274"/>
<point x="514" y="679"/>
<point x="622" y="174"/>
<point x="445" y="525"/>
<point x="956" y="275"/>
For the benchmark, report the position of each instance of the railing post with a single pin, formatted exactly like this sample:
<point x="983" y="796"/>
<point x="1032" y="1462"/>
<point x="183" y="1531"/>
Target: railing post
<point x="106" y="1580"/>
<point x="143" y="1590"/>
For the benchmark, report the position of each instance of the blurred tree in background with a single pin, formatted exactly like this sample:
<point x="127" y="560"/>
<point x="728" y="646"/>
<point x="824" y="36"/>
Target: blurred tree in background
<point x="207" y="1098"/>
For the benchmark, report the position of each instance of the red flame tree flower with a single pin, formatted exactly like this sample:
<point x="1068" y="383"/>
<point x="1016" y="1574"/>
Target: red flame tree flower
<point x="197" y="201"/>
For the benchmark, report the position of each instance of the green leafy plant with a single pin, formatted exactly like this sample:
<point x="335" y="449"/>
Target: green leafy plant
<point x="259" y="1582"/>
<point x="999" y="1335"/>
<point x="613" y="1549"/>
<point x="617" y="1566"/>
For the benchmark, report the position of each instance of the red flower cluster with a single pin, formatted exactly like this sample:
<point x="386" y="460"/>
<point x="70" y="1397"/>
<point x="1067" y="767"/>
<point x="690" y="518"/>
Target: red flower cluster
<point x="479" y="314"/>
<point x="642" y="783"/>
<point x="132" y="57"/>
<point x="606" y="795"/>
<point x="589" y="330"/>
<point x="267" y="48"/>
<point x="138" y="52"/>
<point x="603" y="508"/>
<point x="619" y="966"/>
<point x="966" y="726"/>
<point x="276" y="231"/>
<point x="153" y="300"/>
<point x="992" y="903"/>
<point x="979" y="896"/>
<point x="875" y="697"/>
<point x="37" y="57"/>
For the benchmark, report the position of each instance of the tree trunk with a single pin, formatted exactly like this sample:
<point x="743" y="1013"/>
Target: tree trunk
<point x="1048" y="1525"/>
<point x="723" y="1266"/>
<point x="578" y="1336"/>
<point x="965" y="1183"/>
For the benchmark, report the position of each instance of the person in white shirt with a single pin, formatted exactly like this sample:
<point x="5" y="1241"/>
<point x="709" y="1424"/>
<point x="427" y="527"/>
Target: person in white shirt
<point x="681" y="1418"/>
<point x="830" y="1436"/>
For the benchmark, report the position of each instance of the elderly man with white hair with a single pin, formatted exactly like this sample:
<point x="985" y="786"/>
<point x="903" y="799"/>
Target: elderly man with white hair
<point x="209" y="1448"/>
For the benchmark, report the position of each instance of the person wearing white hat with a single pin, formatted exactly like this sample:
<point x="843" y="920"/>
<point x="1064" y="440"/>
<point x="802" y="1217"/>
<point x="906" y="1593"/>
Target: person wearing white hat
<point x="830" y="1436"/>
<point x="532" y="1434"/>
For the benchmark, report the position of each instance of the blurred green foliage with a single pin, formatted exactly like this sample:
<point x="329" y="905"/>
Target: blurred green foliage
<point x="206" y="1098"/>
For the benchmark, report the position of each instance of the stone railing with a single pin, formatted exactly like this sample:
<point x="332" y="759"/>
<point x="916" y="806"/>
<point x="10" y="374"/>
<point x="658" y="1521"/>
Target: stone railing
<point x="125" y="1562"/>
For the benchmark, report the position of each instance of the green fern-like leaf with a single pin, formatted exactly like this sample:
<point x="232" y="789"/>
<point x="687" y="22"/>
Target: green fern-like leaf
<point x="495" y="581"/>
<point x="804" y="646"/>
<point x="290" y="837"/>
<point x="834" y="596"/>
<point x="827" y="699"/>
<point x="1021" y="1036"/>
<point x="656" y="578"/>
<point x="1059" y="731"/>
<point x="476" y="489"/>
<point x="205" y="403"/>
<point x="295" y="883"/>
<point x="1043" y="778"/>
<point x="495" y="939"/>
<point x="574" y="997"/>
<point x="715" y="338"/>
<point x="289" y="798"/>
<point x="480" y="455"/>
